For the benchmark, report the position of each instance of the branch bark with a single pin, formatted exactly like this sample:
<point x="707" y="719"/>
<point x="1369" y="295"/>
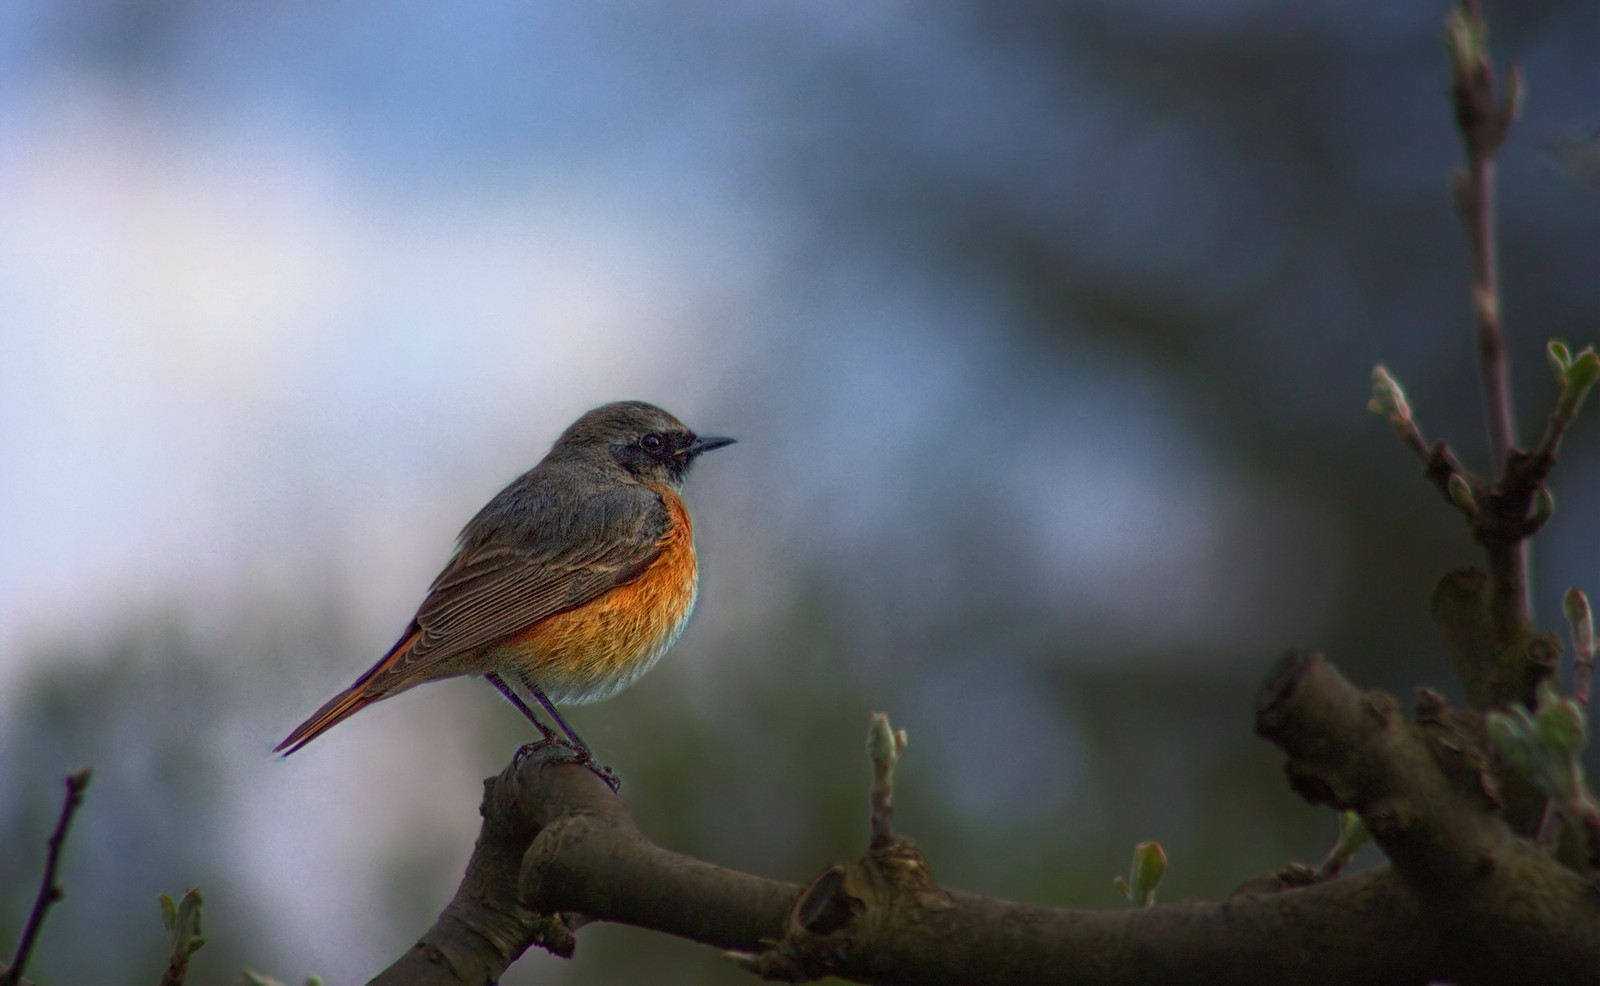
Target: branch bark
<point x="1465" y="899"/>
<point x="1493" y="908"/>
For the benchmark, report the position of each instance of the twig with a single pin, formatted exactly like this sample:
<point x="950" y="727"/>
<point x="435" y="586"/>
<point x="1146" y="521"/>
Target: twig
<point x="1483" y="120"/>
<point x="182" y="918"/>
<point x="49" y="890"/>
<point x="1353" y="835"/>
<point x="884" y="746"/>
<point x="1484" y="117"/>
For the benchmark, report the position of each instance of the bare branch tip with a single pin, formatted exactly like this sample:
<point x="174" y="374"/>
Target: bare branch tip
<point x="50" y="890"/>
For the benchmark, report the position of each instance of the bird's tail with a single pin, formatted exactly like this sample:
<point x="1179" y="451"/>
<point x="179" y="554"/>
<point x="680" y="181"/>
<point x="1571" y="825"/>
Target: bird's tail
<point x="368" y="688"/>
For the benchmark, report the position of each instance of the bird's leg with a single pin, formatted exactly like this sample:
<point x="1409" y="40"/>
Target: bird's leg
<point x="574" y="742"/>
<point x="603" y="771"/>
<point x="550" y="707"/>
<point x="521" y="706"/>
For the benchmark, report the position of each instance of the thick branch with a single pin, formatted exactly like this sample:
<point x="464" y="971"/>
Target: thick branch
<point x="1493" y="671"/>
<point x="1494" y="907"/>
<point x="485" y="927"/>
<point x="1352" y="750"/>
<point x="589" y="858"/>
<point x="883" y="918"/>
<point x="1297" y="936"/>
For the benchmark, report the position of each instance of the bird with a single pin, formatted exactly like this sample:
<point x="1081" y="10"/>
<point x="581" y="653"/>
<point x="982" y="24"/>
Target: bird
<point x="569" y="584"/>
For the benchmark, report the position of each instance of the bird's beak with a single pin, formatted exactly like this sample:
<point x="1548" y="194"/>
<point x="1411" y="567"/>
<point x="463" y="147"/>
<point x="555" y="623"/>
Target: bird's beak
<point x="699" y="445"/>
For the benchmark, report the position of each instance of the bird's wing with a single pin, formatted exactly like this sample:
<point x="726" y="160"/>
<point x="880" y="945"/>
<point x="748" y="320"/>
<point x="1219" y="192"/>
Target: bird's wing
<point x="491" y="591"/>
<point x="506" y="582"/>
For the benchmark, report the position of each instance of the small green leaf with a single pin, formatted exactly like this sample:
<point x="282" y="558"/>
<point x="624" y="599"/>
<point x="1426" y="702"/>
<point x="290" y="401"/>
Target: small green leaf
<point x="1144" y="875"/>
<point x="1511" y="734"/>
<point x="183" y="923"/>
<point x="1561" y="724"/>
<point x="1353" y="833"/>
<point x="1560" y="358"/>
<point x="1580" y="377"/>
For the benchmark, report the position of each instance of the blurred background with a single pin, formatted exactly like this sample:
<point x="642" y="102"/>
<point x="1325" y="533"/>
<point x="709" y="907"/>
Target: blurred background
<point x="1045" y="329"/>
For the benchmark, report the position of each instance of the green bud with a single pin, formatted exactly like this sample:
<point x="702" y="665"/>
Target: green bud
<point x="884" y="744"/>
<point x="1461" y="40"/>
<point x="1576" y="605"/>
<point x="1461" y="495"/>
<point x="1144" y="876"/>
<point x="1544" y="504"/>
<point x="183" y="922"/>
<point x="1388" y="399"/>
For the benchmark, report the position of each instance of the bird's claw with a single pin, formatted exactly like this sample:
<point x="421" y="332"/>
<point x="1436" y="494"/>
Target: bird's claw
<point x="565" y="752"/>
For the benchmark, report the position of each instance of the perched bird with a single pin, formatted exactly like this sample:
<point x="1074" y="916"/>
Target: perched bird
<point x="569" y="585"/>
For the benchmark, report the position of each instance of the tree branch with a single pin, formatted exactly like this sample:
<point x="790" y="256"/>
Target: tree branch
<point x="5" y="971"/>
<point x="1494" y="907"/>
<point x="1484" y="117"/>
<point x="49" y="890"/>
<point x="1483" y="121"/>
<point x="485" y="927"/>
<point x="1465" y="899"/>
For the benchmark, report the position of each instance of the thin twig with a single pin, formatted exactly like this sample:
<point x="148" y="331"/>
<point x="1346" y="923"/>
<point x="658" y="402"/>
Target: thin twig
<point x="1544" y="457"/>
<point x="1484" y="115"/>
<point x="1475" y="198"/>
<point x="1439" y="464"/>
<point x="49" y="890"/>
<point x="884" y="746"/>
<point x="1483" y="121"/>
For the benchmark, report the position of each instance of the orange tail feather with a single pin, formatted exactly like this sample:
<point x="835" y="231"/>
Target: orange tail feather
<point x="350" y="701"/>
<point x="339" y="708"/>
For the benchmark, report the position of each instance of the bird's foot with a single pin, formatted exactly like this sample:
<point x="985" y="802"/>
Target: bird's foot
<point x="555" y="750"/>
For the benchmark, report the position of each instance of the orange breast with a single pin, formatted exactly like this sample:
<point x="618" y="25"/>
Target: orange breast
<point x="596" y="650"/>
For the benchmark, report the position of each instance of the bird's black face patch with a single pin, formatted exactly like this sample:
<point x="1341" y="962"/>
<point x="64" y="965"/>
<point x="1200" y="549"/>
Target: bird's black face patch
<point x="657" y="456"/>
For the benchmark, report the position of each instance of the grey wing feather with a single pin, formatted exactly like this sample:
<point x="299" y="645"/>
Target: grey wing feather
<point x="492" y="590"/>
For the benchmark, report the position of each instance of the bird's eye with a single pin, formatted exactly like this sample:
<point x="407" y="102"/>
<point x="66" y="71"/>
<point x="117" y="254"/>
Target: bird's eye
<point x="650" y="442"/>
